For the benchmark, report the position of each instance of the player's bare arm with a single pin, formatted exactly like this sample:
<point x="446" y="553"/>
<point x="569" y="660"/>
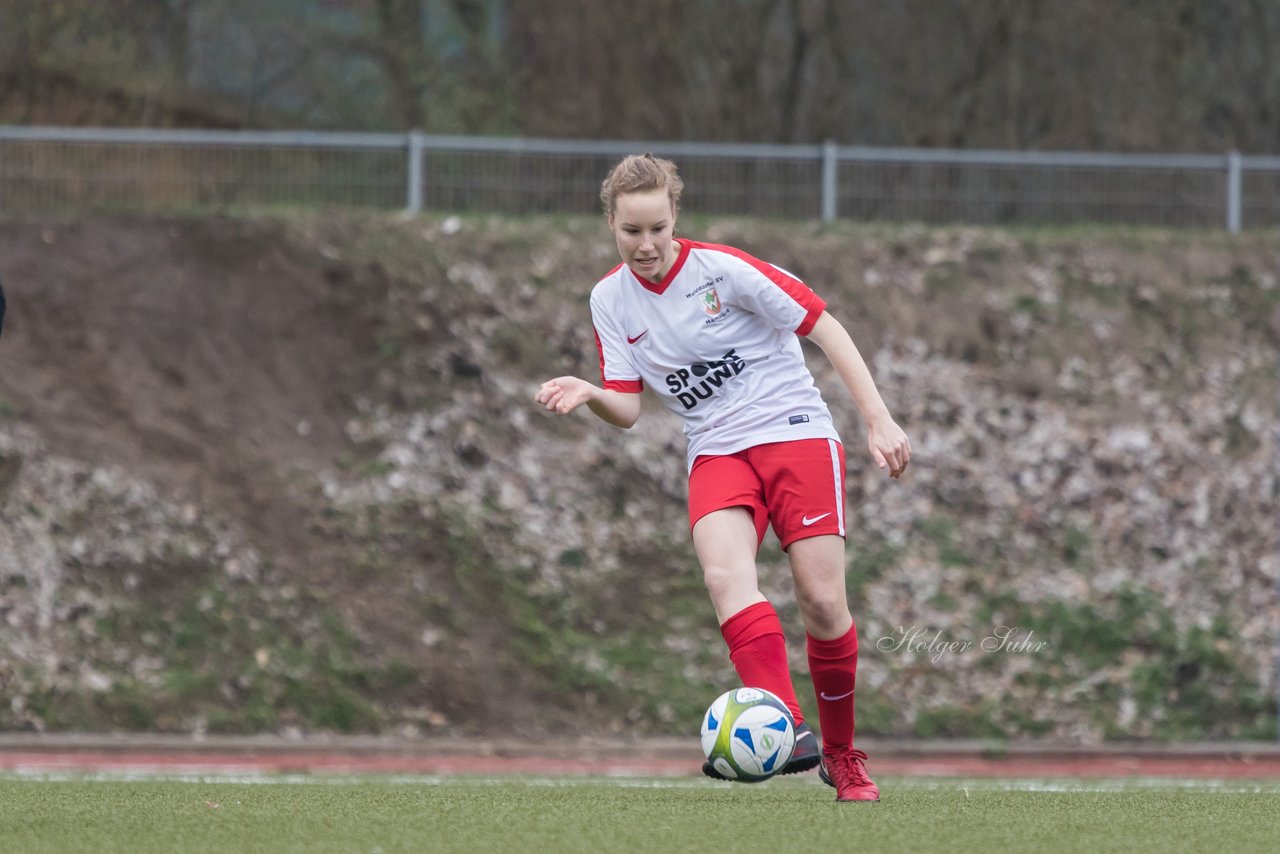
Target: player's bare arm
<point x="888" y="444"/>
<point x="563" y="395"/>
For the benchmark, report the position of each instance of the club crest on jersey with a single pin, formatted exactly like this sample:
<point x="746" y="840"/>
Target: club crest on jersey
<point x="711" y="302"/>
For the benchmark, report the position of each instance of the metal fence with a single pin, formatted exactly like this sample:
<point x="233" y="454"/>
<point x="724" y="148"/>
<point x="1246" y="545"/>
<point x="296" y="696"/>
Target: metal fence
<point x="74" y="169"/>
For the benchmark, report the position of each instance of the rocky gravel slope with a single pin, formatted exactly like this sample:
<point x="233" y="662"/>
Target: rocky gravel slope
<point x="268" y="474"/>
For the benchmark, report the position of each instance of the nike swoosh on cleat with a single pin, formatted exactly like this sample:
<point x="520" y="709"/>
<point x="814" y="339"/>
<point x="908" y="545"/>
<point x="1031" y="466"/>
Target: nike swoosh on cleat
<point x="631" y="340"/>
<point x="806" y="521"/>
<point x="823" y="695"/>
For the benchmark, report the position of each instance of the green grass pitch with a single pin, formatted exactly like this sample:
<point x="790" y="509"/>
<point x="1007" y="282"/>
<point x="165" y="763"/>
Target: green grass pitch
<point x="550" y="816"/>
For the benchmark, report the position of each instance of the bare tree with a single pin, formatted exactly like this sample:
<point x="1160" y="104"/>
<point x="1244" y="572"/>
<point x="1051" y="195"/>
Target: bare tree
<point x="401" y="47"/>
<point x="1090" y="74"/>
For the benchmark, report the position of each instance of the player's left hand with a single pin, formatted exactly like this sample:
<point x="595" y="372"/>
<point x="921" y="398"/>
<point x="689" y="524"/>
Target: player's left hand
<point x="889" y="446"/>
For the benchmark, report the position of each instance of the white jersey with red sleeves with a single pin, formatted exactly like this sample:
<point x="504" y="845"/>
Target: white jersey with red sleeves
<point x="716" y="339"/>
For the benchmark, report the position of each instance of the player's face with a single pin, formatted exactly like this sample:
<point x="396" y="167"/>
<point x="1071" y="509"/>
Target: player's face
<point x="643" y="225"/>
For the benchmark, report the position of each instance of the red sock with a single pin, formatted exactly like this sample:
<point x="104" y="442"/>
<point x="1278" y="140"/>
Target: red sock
<point x="758" y="650"/>
<point x="833" y="666"/>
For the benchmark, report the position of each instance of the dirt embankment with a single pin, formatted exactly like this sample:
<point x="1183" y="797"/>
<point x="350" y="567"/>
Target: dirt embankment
<point x="261" y="474"/>
<point x="197" y="354"/>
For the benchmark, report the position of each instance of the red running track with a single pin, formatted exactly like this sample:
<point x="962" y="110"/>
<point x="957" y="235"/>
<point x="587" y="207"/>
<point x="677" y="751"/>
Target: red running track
<point x="667" y="758"/>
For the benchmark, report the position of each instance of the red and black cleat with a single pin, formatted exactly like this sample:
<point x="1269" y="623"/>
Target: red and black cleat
<point x="846" y="769"/>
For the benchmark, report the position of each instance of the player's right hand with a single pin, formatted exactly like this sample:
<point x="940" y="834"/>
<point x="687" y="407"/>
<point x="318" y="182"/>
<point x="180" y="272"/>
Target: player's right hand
<point x="562" y="395"/>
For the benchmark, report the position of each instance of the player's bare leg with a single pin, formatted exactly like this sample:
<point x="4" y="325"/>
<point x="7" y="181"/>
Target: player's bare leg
<point x="817" y="564"/>
<point x="726" y="543"/>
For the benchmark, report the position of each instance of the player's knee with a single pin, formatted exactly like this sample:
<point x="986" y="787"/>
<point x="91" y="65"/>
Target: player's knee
<point x="716" y="576"/>
<point x="825" y="616"/>
<point x="724" y="578"/>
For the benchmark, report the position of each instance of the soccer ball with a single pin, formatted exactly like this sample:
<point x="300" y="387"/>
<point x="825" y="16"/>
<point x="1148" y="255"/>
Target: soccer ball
<point x="748" y="734"/>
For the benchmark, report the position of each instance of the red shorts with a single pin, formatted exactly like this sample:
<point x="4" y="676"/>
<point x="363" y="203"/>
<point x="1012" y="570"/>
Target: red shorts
<point x="797" y="486"/>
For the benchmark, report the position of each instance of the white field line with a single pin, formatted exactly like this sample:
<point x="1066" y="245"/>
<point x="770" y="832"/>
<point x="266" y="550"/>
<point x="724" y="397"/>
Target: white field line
<point x="957" y="785"/>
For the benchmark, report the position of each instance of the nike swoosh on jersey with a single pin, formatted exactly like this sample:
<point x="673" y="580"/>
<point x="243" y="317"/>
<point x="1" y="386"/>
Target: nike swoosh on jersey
<point x="631" y="340"/>
<point x="806" y="521"/>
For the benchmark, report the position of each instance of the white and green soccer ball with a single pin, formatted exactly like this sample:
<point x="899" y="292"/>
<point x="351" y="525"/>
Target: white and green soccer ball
<point x="748" y="734"/>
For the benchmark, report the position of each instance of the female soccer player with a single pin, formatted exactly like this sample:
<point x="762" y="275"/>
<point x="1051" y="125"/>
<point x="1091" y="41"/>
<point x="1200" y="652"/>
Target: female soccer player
<point x="713" y="331"/>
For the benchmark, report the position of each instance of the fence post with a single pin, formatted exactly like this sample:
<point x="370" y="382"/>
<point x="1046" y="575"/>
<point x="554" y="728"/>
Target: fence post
<point x="1233" y="192"/>
<point x="830" y="188"/>
<point x="413" y="188"/>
